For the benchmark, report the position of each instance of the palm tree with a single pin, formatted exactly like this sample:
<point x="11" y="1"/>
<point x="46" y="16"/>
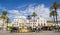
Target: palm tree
<point x="55" y="7"/>
<point x="3" y="16"/>
<point x="8" y="21"/>
<point x="53" y="14"/>
<point x="34" y="15"/>
<point x="28" y="17"/>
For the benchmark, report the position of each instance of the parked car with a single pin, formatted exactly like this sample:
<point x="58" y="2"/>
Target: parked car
<point x="14" y="29"/>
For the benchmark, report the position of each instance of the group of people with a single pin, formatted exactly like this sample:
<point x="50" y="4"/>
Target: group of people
<point x="37" y="29"/>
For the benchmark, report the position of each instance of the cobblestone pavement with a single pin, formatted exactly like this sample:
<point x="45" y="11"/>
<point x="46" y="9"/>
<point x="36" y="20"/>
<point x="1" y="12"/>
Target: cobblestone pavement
<point x="31" y="33"/>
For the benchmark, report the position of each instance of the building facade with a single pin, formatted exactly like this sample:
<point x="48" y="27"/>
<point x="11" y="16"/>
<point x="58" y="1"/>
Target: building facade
<point x="52" y="23"/>
<point x="18" y="20"/>
<point x="3" y="24"/>
<point x="38" y="22"/>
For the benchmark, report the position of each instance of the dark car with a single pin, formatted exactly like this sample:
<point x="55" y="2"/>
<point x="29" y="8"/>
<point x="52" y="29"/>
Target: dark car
<point x="14" y="29"/>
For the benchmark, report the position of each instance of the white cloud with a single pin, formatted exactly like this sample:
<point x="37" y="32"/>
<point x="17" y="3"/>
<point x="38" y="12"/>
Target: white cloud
<point x="58" y="11"/>
<point x="14" y="12"/>
<point x="40" y="10"/>
<point x="20" y="17"/>
<point x="21" y="6"/>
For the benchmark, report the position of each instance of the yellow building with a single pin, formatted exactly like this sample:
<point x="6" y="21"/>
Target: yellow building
<point x="50" y="23"/>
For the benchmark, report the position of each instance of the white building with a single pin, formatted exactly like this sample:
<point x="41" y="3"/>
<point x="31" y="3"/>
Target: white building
<point x="3" y="24"/>
<point x="40" y="21"/>
<point x="18" y="20"/>
<point x="33" y="22"/>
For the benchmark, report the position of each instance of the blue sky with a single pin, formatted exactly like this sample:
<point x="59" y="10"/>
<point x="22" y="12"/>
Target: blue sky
<point x="20" y="7"/>
<point x="12" y="4"/>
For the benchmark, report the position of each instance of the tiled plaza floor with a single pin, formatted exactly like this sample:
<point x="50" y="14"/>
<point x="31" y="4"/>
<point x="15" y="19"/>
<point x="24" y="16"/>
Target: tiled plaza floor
<point x="31" y="33"/>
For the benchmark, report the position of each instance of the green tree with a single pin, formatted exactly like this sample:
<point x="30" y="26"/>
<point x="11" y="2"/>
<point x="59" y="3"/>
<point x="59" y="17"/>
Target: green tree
<point x="30" y="28"/>
<point x="53" y="14"/>
<point x="55" y="7"/>
<point x="34" y="14"/>
<point x="4" y="17"/>
<point x="7" y="21"/>
<point x="28" y="17"/>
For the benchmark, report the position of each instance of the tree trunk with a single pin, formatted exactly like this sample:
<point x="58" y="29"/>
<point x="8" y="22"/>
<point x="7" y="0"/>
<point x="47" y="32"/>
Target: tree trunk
<point x="56" y="20"/>
<point x="56" y="17"/>
<point x="29" y="22"/>
<point x="34" y="24"/>
<point x="7" y="27"/>
<point x="3" y="25"/>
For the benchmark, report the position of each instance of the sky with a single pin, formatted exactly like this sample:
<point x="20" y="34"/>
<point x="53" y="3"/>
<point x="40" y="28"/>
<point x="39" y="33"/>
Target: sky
<point x="27" y="7"/>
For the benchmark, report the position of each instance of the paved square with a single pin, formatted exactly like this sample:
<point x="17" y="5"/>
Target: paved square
<point x="32" y="33"/>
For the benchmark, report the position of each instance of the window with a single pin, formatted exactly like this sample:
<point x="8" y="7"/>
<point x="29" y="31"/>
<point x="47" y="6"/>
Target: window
<point x="34" y="23"/>
<point x="44" y="24"/>
<point x="41" y="20"/>
<point x="41" y="24"/>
